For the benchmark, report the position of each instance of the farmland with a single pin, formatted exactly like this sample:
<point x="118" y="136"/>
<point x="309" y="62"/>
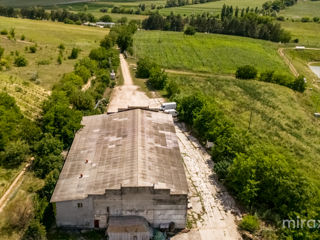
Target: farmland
<point x="302" y="9"/>
<point x="211" y="53"/>
<point x="47" y="36"/>
<point x="211" y="7"/>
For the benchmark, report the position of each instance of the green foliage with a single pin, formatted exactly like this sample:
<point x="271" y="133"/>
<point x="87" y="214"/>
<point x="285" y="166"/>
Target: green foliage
<point x="82" y="101"/>
<point x="23" y="37"/>
<point x="158" y="78"/>
<point x="105" y="58"/>
<point x="59" y="59"/>
<point x="74" y="53"/>
<point x="299" y="84"/>
<point x="12" y="33"/>
<point x="250" y="223"/>
<point x="69" y="83"/>
<point x="59" y="119"/>
<point x="82" y="72"/>
<point x="33" y="49"/>
<point x="190" y="31"/>
<point x="4" y="32"/>
<point x="35" y="231"/>
<point x="1" y="52"/>
<point x="246" y="72"/>
<point x="88" y="63"/>
<point x="20" y="61"/>
<point x="105" y="18"/>
<point x="172" y="88"/>
<point x="14" y="153"/>
<point x="144" y="66"/>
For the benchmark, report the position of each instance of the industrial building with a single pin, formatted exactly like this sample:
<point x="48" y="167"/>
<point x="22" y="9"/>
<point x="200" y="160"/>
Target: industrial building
<point x="125" y="164"/>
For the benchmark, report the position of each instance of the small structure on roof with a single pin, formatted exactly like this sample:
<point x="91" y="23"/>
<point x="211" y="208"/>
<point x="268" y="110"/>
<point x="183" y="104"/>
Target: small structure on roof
<point x="123" y="164"/>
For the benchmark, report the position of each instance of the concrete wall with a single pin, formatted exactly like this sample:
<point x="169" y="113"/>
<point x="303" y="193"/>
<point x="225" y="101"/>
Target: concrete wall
<point x="157" y="206"/>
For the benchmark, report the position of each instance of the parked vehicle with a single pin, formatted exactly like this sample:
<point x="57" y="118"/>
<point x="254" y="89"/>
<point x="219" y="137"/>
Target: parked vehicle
<point x="173" y="112"/>
<point x="169" y="105"/>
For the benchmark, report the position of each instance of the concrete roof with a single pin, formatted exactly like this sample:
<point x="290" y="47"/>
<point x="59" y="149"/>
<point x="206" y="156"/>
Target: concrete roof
<point x="129" y="149"/>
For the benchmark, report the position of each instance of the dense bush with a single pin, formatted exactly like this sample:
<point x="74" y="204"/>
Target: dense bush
<point x="158" y="78"/>
<point x="249" y="223"/>
<point x="190" y="31"/>
<point x="82" y="72"/>
<point x="74" y="53"/>
<point x="144" y="66"/>
<point x="1" y="52"/>
<point x="35" y="231"/>
<point x="105" y="18"/>
<point x="14" y="153"/>
<point x="246" y="72"/>
<point x="20" y="61"/>
<point x="33" y="49"/>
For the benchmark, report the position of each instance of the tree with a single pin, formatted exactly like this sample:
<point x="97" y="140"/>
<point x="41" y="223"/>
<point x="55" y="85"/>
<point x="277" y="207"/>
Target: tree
<point x="83" y="72"/>
<point x="20" y="61"/>
<point x="299" y="84"/>
<point x="144" y="66"/>
<point x="105" y="18"/>
<point x="82" y="101"/>
<point x="14" y="153"/>
<point x="158" y="78"/>
<point x="74" y="53"/>
<point x="246" y="72"/>
<point x="124" y="40"/>
<point x="48" y="145"/>
<point x="190" y="31"/>
<point x="46" y="163"/>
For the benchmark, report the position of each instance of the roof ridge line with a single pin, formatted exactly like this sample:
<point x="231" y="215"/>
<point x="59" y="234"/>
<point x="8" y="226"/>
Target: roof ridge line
<point x="139" y="144"/>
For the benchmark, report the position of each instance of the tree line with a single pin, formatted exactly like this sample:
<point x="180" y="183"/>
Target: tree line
<point x="54" y="130"/>
<point x="178" y="3"/>
<point x="247" y="24"/>
<point x="39" y="13"/>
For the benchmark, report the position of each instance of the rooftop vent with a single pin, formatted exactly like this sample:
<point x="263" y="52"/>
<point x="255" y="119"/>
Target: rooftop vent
<point x="81" y="175"/>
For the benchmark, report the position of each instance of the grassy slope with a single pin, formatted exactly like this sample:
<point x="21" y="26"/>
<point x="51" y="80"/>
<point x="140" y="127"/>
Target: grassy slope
<point x="212" y="7"/>
<point x="213" y="53"/>
<point x="280" y="116"/>
<point x="307" y="33"/>
<point x="47" y="35"/>
<point x="302" y="9"/>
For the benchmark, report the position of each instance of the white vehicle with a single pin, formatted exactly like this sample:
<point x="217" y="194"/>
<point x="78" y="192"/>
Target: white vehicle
<point x="173" y="112"/>
<point x="169" y="105"/>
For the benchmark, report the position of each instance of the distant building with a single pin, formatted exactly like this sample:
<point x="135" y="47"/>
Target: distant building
<point x="123" y="164"/>
<point x="105" y="24"/>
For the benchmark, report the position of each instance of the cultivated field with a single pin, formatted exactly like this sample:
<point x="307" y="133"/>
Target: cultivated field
<point x="212" y="53"/>
<point x="280" y="117"/>
<point x="47" y="36"/>
<point x="302" y="9"/>
<point x="212" y="7"/>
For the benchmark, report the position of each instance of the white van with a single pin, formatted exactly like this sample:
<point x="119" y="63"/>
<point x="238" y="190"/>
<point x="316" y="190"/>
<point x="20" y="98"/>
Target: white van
<point x="169" y="105"/>
<point x="173" y="112"/>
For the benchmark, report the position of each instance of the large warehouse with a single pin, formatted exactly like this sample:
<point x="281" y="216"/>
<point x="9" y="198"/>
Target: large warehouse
<point x="123" y="164"/>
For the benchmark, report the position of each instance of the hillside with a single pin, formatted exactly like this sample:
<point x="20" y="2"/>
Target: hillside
<point x="212" y="53"/>
<point x="302" y="9"/>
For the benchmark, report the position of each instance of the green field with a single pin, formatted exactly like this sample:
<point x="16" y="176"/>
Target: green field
<point x="23" y="3"/>
<point x="47" y="35"/>
<point x="212" y="53"/>
<point x="307" y="33"/>
<point x="302" y="9"/>
<point x="212" y="7"/>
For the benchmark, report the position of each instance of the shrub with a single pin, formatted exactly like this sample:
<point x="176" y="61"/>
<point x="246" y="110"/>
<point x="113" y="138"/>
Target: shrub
<point x="144" y="66"/>
<point x="59" y="59"/>
<point x="23" y="37"/>
<point x="33" y="49"/>
<point x="1" y="52"/>
<point x="305" y="19"/>
<point x="74" y="53"/>
<point x="20" y="61"/>
<point x="106" y="18"/>
<point x="12" y="33"/>
<point x="83" y="72"/>
<point x="172" y="88"/>
<point x="4" y="32"/>
<point x="250" y="223"/>
<point x="14" y="153"/>
<point x="316" y="19"/>
<point x="61" y="47"/>
<point x="190" y="31"/>
<point x="299" y="84"/>
<point x="157" y="78"/>
<point x="246" y="72"/>
<point x="35" y="231"/>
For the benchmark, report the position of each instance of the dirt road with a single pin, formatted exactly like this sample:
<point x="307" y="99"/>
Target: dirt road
<point x="17" y="181"/>
<point x="129" y="94"/>
<point x="213" y="211"/>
